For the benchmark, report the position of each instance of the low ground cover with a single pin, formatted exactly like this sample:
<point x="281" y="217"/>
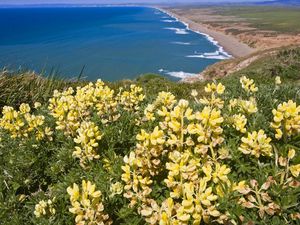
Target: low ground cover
<point x="134" y="152"/>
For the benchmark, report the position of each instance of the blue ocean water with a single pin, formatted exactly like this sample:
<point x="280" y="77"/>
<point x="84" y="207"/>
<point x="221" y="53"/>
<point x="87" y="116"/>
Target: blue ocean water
<point x="110" y="43"/>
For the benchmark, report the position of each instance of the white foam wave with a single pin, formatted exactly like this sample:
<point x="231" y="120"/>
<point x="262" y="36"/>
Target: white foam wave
<point x="178" y="74"/>
<point x="209" y="55"/>
<point x="181" y="43"/>
<point x="169" y="21"/>
<point x="209" y="38"/>
<point x="177" y="30"/>
<point x="220" y="48"/>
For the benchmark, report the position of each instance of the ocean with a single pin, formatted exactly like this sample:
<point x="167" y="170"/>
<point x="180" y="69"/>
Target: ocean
<point x="110" y="43"/>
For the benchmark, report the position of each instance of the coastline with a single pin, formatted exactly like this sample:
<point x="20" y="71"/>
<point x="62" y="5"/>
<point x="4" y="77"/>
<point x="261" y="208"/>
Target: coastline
<point x="227" y="44"/>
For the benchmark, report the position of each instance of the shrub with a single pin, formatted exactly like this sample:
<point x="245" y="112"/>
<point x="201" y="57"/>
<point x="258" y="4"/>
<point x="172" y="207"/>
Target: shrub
<point x="136" y="153"/>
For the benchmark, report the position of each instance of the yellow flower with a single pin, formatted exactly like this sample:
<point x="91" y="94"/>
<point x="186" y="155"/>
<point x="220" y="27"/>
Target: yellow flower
<point x="40" y="208"/>
<point x="218" y="88"/>
<point x="44" y="208"/>
<point x="88" y="137"/>
<point x="220" y="173"/>
<point x="71" y="107"/>
<point x="248" y="84"/>
<point x="291" y="153"/>
<point x="37" y="105"/>
<point x="194" y="93"/>
<point x="240" y="187"/>
<point x="295" y="170"/>
<point x="256" y="143"/>
<point x="213" y="100"/>
<point x="286" y="119"/>
<point x="73" y="192"/>
<point x="244" y="106"/>
<point x="183" y="143"/>
<point x="22" y="124"/>
<point x="116" y="189"/>
<point x="239" y="122"/>
<point x="131" y="99"/>
<point x="277" y="80"/>
<point x="87" y="205"/>
<point x="232" y="103"/>
<point x="248" y="106"/>
<point x="24" y="108"/>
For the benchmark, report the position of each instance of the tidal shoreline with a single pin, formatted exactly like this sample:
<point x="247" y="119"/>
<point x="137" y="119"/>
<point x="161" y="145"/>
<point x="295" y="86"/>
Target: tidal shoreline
<point x="227" y="42"/>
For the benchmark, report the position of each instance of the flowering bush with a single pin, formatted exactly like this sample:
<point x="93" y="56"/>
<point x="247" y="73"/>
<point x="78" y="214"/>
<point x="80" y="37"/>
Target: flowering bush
<point x="213" y="158"/>
<point x="87" y="205"/>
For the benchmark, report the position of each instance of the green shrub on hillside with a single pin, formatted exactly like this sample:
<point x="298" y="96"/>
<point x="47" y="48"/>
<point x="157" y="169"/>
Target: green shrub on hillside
<point x="122" y="154"/>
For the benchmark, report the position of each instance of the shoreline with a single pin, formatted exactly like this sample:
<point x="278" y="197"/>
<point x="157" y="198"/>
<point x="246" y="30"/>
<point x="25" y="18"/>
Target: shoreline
<point x="228" y="45"/>
<point x="211" y="39"/>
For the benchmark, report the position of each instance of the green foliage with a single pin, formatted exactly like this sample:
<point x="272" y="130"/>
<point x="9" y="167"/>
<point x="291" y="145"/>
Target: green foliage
<point x="280" y="19"/>
<point x="32" y="170"/>
<point x="25" y="86"/>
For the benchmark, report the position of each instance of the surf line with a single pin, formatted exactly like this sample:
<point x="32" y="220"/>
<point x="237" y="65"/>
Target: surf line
<point x="208" y="37"/>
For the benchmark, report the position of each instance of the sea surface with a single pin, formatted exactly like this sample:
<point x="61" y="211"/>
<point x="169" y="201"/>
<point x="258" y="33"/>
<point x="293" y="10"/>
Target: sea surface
<point x="110" y="43"/>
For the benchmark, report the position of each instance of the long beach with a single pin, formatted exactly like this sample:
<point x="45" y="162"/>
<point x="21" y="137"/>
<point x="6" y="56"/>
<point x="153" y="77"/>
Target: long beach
<point x="230" y="44"/>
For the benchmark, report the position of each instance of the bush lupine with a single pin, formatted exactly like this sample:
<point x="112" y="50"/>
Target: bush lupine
<point x="22" y="124"/>
<point x="87" y="204"/>
<point x="180" y="169"/>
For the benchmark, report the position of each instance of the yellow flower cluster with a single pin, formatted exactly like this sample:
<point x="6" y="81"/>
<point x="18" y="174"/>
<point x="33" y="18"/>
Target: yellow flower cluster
<point x="130" y="100"/>
<point x="213" y="100"/>
<point x="215" y="88"/>
<point x="136" y="183"/>
<point x="70" y="108"/>
<point x="185" y="147"/>
<point x="116" y="189"/>
<point x="73" y="110"/>
<point x="87" y="136"/>
<point x="286" y="119"/>
<point x="44" y="208"/>
<point x="244" y="106"/>
<point x="248" y="84"/>
<point x="23" y="124"/>
<point x="103" y="98"/>
<point x="164" y="101"/>
<point x="87" y="204"/>
<point x="256" y="143"/>
<point x="64" y="108"/>
<point x="239" y="122"/>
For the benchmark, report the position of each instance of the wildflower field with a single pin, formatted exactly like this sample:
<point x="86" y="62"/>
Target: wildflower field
<point x="220" y="152"/>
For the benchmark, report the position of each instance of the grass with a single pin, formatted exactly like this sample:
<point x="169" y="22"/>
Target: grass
<point x="278" y="19"/>
<point x="25" y="86"/>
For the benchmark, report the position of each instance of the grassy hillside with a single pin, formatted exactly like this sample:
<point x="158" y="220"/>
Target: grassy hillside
<point x="283" y="62"/>
<point x="135" y="152"/>
<point x="23" y="86"/>
<point x="279" y="19"/>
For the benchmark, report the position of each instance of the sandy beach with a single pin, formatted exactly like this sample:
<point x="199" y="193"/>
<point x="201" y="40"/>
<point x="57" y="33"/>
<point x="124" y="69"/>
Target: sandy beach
<point x="231" y="44"/>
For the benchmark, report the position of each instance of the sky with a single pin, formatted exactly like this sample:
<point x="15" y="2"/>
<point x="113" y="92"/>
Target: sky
<point x="22" y="2"/>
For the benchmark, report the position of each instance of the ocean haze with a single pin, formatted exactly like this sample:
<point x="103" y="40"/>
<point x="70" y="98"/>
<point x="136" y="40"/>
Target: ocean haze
<point x="24" y="2"/>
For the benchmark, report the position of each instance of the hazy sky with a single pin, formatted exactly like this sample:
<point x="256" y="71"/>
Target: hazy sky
<point x="111" y="1"/>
